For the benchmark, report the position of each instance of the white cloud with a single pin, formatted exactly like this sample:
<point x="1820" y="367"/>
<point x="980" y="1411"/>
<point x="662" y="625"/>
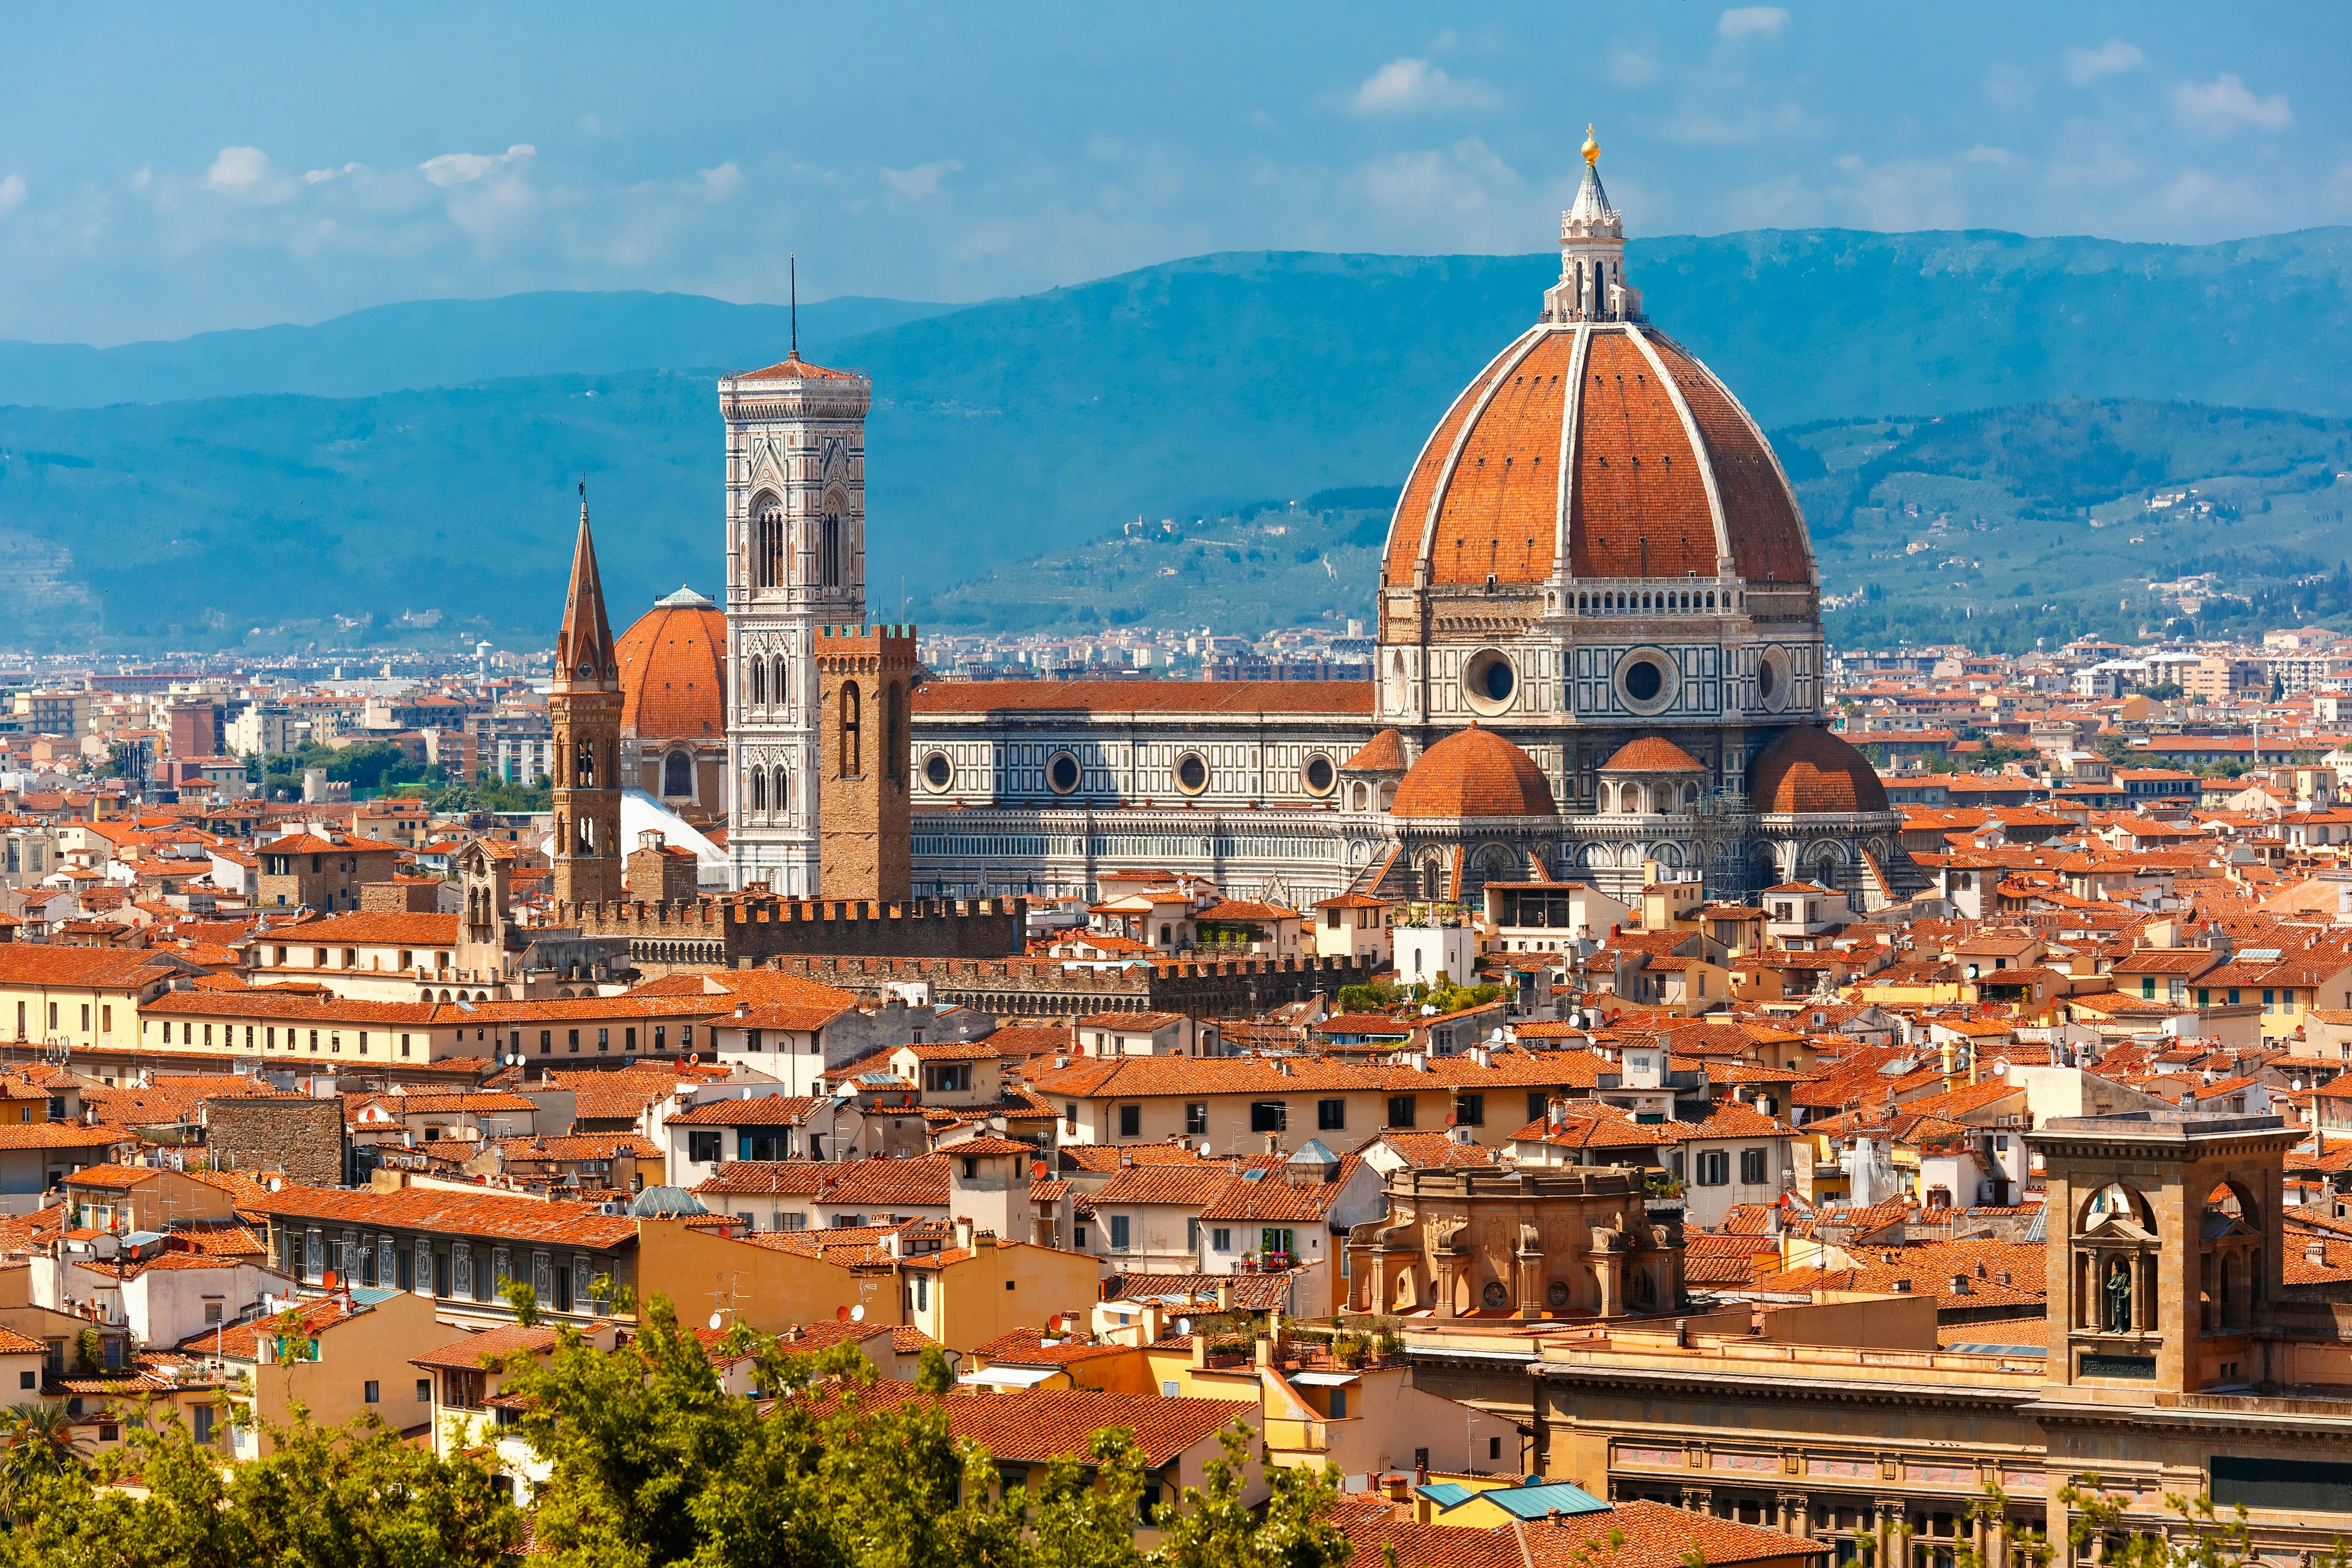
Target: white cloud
<point x="12" y="193"/>
<point x="1751" y="21"/>
<point x="2084" y="67"/>
<point x="1410" y="86"/>
<point x="1705" y="127"/>
<point x="320" y="177"/>
<point x="719" y="184"/>
<point x="1631" y="68"/>
<point x="246" y="174"/>
<point x="464" y="168"/>
<point x="2008" y="86"/>
<point x="2226" y="102"/>
<point x="922" y="180"/>
<point x="1982" y="153"/>
<point x="1463" y="197"/>
<point x="1906" y="194"/>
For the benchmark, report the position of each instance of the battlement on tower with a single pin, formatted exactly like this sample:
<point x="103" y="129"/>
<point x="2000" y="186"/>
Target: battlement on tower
<point x="746" y="929"/>
<point x="1045" y="987"/>
<point x="884" y="644"/>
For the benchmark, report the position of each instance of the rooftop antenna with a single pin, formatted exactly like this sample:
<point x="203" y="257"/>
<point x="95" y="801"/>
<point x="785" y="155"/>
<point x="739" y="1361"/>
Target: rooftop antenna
<point x="794" y="263"/>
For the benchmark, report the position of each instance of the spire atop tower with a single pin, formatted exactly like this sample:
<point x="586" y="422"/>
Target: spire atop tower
<point x="796" y="265"/>
<point x="583" y="647"/>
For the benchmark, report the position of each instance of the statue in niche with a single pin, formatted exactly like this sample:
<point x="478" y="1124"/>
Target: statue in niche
<point x="2119" y="1295"/>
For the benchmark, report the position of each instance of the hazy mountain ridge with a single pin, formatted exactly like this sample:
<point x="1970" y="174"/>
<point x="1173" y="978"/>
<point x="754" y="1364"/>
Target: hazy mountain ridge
<point x="1026" y="427"/>
<point x="439" y="342"/>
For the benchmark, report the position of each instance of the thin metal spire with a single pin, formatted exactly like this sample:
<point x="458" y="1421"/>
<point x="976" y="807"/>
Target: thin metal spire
<point x="796" y="303"/>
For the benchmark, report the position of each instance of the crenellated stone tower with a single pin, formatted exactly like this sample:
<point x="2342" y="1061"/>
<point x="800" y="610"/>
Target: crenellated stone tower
<point x="584" y="708"/>
<point x="865" y="677"/>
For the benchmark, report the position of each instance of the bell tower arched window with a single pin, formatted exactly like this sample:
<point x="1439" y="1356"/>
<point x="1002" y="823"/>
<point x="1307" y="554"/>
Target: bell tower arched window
<point x="767" y="542"/>
<point x="758" y="789"/>
<point x="758" y="695"/>
<point x="829" y="541"/>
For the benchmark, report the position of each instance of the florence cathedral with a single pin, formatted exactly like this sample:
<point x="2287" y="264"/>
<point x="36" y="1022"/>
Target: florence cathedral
<point x="1598" y="645"/>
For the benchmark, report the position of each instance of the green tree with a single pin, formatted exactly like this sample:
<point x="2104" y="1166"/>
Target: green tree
<point x="933" y="1375"/>
<point x="350" y="1497"/>
<point x="520" y="1295"/>
<point x="652" y="1464"/>
<point x="1210" y="1527"/>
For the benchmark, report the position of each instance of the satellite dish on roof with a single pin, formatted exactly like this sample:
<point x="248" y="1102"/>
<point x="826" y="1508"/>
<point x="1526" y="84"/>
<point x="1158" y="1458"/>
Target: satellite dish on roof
<point x="841" y="1314"/>
<point x="1184" y="1326"/>
<point x="1498" y="1036"/>
<point x="717" y="1318"/>
<point x="2001" y="1070"/>
<point x="858" y="1314"/>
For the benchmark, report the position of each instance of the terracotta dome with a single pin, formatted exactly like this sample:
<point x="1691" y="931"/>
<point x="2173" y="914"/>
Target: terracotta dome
<point x="673" y="670"/>
<point x="1810" y="770"/>
<point x="1652" y="754"/>
<point x="1474" y="773"/>
<point x="1595" y="437"/>
<point x="1383" y="753"/>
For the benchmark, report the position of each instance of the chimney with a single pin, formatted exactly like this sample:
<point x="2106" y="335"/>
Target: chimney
<point x="1224" y="1295"/>
<point x="963" y="1232"/>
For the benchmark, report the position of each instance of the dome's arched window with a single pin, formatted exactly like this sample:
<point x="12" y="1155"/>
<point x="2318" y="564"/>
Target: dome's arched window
<point x="678" y="776"/>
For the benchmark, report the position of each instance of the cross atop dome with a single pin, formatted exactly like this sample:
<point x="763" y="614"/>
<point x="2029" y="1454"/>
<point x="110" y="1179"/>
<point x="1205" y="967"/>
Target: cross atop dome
<point x="1591" y="286"/>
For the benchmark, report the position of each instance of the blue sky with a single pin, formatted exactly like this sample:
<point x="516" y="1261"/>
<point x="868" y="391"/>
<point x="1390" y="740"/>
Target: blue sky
<point x="166" y="170"/>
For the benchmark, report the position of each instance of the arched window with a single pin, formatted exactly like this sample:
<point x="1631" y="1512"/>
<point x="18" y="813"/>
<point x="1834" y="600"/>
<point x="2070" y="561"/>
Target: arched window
<point x="1825" y="872"/>
<point x="894" y="731"/>
<point x="852" y="726"/>
<point x="758" y="695"/>
<point x="678" y="774"/>
<point x="777" y="683"/>
<point x="767" y="542"/>
<point x="829" y="540"/>
<point x="583" y="766"/>
<point x="758" y="789"/>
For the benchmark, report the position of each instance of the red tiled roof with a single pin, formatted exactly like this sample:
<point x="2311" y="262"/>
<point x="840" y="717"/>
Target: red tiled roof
<point x="1145" y="696"/>
<point x="1474" y="773"/>
<point x="454" y="1214"/>
<point x="1383" y="753"/>
<point x="1810" y="770"/>
<point x="1651" y="755"/>
<point x="672" y="681"/>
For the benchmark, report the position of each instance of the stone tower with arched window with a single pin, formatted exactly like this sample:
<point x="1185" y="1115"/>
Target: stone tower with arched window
<point x="2163" y="1250"/>
<point x="796" y="561"/>
<point x="583" y="710"/>
<point x="865" y="680"/>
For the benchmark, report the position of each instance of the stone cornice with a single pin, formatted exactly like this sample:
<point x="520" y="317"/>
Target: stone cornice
<point x="1784" y="1387"/>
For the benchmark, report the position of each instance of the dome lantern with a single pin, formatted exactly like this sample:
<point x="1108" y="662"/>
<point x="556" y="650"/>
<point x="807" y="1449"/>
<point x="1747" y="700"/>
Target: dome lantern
<point x="1591" y="286"/>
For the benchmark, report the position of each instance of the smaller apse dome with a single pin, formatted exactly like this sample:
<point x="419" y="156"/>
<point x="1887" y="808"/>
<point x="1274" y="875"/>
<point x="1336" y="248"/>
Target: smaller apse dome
<point x="1652" y="754"/>
<point x="673" y="671"/>
<point x="1474" y="773"/>
<point x="1808" y="770"/>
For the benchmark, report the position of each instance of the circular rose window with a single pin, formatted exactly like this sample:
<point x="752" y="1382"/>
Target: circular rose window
<point x="1062" y="772"/>
<point x="1191" y="774"/>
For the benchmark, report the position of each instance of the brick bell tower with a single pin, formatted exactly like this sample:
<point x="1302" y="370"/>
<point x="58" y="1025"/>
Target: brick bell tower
<point x="584" y="707"/>
<point x="866" y="678"/>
